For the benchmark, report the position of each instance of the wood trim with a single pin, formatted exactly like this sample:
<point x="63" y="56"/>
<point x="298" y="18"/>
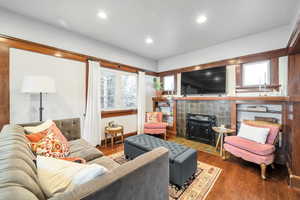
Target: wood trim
<point x="4" y="89"/>
<point x="13" y="42"/>
<point x="246" y="89"/>
<point x="232" y="61"/>
<point x="238" y="75"/>
<point x="117" y="113"/>
<point x="274" y="79"/>
<point x="274" y="67"/>
<point x="228" y="98"/>
<point x="294" y="40"/>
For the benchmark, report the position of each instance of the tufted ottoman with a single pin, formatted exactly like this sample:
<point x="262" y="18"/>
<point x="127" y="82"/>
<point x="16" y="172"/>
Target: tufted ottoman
<point x="182" y="160"/>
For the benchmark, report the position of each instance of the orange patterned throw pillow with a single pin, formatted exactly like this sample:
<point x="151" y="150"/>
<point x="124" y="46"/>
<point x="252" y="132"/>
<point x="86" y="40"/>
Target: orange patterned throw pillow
<point x="51" y="146"/>
<point x="35" y="138"/>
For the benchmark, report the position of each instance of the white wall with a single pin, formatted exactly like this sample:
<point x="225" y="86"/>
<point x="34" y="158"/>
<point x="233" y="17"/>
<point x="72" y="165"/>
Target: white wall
<point x="266" y="41"/>
<point x="129" y="122"/>
<point x="29" y="29"/>
<point x="69" y="76"/>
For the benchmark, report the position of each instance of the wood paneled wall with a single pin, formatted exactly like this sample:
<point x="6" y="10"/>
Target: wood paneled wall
<point x="4" y="85"/>
<point x="293" y="121"/>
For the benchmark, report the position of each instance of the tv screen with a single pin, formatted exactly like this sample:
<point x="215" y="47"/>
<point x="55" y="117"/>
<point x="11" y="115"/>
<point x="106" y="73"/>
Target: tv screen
<point x="207" y="81"/>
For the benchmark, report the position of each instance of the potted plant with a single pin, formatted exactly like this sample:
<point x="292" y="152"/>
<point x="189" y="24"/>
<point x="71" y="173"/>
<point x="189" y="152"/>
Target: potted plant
<point x="157" y="86"/>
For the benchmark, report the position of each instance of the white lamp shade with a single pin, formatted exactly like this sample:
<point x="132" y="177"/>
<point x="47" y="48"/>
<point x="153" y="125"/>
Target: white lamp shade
<point x="38" y="84"/>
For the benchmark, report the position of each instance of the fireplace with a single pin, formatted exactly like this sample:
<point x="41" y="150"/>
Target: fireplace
<point x="199" y="127"/>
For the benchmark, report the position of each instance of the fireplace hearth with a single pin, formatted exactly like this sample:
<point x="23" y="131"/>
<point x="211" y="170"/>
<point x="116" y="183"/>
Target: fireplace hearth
<point x="199" y="127"/>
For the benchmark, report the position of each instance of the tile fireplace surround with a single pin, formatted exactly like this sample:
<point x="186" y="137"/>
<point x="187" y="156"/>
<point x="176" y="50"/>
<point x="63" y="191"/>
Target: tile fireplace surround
<point x="221" y="109"/>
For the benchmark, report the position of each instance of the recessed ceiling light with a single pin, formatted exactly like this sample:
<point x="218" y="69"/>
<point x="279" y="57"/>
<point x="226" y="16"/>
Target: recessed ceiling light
<point x="201" y="19"/>
<point x="149" y="40"/>
<point x="63" y="23"/>
<point x="102" y="15"/>
<point x="57" y="54"/>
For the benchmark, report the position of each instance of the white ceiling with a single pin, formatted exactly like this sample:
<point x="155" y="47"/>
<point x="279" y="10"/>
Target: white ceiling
<point x="171" y="23"/>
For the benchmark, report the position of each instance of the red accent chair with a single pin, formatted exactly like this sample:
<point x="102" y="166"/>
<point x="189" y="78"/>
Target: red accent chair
<point x="154" y="124"/>
<point x="261" y="154"/>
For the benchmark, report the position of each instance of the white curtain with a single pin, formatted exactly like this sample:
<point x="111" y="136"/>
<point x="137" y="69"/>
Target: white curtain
<point x="92" y="121"/>
<point x="141" y="101"/>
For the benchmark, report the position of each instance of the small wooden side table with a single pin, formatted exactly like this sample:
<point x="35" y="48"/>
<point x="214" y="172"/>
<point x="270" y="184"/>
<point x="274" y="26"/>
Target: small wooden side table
<point x="222" y="132"/>
<point x="113" y="132"/>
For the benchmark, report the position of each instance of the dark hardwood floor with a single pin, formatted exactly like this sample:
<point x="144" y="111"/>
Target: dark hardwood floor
<point x="240" y="180"/>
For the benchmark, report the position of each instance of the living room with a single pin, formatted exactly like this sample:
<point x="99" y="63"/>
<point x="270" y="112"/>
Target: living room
<point x="179" y="100"/>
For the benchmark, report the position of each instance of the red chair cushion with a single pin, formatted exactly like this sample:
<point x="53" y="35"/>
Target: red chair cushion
<point x="251" y="146"/>
<point x="161" y="125"/>
<point x="154" y="131"/>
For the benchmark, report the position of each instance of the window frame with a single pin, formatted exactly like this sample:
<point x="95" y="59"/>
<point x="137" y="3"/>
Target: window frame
<point x="273" y="74"/>
<point x="175" y="83"/>
<point x="269" y="71"/>
<point x="118" y="93"/>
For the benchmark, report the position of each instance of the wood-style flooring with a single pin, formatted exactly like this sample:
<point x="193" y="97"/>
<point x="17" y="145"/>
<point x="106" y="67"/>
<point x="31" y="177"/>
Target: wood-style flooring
<point x="240" y="180"/>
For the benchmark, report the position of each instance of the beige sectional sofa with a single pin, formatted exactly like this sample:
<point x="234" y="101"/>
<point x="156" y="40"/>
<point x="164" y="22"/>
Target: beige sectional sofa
<point x="144" y="178"/>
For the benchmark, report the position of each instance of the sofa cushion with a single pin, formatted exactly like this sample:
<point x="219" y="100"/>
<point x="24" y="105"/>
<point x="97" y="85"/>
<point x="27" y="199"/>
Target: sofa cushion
<point x="251" y="146"/>
<point x="106" y="162"/>
<point x="39" y="128"/>
<point x="18" y="164"/>
<point x="155" y="125"/>
<point x="18" y="192"/>
<point x="256" y="134"/>
<point x="274" y="128"/>
<point x="16" y="177"/>
<point x="81" y="148"/>
<point x="58" y="175"/>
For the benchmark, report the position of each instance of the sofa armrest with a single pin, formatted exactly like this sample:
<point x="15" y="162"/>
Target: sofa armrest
<point x="146" y="177"/>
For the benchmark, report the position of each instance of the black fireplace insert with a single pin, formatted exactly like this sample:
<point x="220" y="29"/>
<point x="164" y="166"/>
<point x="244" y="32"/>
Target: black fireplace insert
<point x="199" y="127"/>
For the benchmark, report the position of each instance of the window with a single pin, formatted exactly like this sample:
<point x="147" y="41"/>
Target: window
<point x="108" y="87"/>
<point x="169" y="83"/>
<point x="256" y="73"/>
<point x="118" y="90"/>
<point x="129" y="91"/>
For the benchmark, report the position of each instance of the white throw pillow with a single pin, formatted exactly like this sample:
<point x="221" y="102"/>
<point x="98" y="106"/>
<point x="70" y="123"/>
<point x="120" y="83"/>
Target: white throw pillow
<point x="256" y="134"/>
<point x="35" y="129"/>
<point x="58" y="176"/>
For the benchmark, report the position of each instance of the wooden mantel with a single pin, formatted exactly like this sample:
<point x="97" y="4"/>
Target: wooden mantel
<point x="229" y="98"/>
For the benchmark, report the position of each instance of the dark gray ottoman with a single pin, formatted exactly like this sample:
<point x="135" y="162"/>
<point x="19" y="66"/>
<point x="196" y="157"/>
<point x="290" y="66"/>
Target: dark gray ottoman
<point x="183" y="160"/>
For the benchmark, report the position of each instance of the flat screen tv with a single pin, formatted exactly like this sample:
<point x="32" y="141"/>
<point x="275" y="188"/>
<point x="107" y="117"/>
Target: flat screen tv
<point x="207" y="81"/>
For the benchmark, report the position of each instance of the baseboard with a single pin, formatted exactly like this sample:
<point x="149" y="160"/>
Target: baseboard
<point x="294" y="180"/>
<point x="119" y="137"/>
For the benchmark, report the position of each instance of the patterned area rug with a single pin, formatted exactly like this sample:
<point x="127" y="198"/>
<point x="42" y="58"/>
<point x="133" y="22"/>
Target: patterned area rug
<point x="196" y="145"/>
<point x="195" y="189"/>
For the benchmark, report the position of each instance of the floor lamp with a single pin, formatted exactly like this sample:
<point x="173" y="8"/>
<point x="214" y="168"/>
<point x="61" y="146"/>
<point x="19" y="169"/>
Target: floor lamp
<point x="38" y="85"/>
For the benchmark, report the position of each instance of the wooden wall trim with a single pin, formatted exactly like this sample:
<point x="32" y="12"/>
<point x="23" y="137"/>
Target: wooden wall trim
<point x="117" y="113"/>
<point x="232" y="98"/>
<point x="13" y="42"/>
<point x="294" y="40"/>
<point x="232" y="61"/>
<point x="4" y="88"/>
